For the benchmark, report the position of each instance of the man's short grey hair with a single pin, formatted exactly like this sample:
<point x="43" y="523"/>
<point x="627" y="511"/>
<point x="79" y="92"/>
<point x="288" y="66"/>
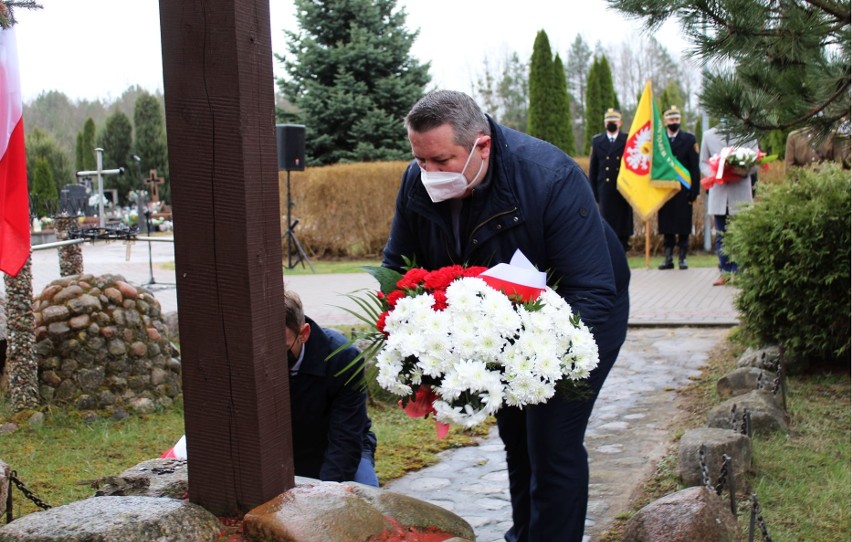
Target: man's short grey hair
<point x="449" y="107"/>
<point x="294" y="314"/>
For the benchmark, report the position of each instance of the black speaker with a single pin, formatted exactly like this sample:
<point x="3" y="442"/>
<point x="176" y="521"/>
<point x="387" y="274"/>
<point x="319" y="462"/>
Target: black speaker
<point x="291" y="146"/>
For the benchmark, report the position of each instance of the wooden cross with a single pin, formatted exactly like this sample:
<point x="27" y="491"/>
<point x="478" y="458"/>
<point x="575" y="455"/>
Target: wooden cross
<point x="154" y="182"/>
<point x="219" y="101"/>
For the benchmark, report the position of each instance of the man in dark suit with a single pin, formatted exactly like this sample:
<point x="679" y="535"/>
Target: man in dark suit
<point x="332" y="440"/>
<point x="604" y="163"/>
<point x="675" y="217"/>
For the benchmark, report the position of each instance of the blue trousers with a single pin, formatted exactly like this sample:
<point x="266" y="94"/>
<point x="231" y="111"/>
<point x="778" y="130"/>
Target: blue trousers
<point x="366" y="473"/>
<point x="726" y="265"/>
<point x="547" y="462"/>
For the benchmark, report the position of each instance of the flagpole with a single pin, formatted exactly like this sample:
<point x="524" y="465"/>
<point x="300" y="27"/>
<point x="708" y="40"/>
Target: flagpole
<point x="648" y="244"/>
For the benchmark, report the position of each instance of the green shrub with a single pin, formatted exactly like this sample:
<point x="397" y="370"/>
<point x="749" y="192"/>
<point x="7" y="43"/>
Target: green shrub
<point x="793" y="247"/>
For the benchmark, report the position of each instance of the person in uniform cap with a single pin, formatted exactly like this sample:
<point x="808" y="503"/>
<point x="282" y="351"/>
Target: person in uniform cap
<point x="675" y="217"/>
<point x="604" y="164"/>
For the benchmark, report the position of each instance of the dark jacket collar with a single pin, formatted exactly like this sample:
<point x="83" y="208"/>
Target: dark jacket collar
<point x="316" y="350"/>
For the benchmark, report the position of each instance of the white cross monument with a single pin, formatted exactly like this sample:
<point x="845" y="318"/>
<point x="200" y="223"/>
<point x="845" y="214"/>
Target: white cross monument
<point x="100" y="172"/>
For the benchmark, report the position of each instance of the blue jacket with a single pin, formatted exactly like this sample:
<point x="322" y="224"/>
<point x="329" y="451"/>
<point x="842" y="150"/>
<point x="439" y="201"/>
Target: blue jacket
<point x="328" y="411"/>
<point x="534" y="198"/>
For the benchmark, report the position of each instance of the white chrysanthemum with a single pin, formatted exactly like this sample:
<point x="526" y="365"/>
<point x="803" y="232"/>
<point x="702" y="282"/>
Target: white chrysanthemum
<point x="462" y="296"/>
<point x="389" y="374"/>
<point x="431" y="364"/>
<point x="465" y="344"/>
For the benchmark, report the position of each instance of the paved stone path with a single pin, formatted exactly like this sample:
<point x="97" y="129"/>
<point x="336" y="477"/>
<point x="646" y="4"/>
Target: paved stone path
<point x="628" y="432"/>
<point x="676" y="317"/>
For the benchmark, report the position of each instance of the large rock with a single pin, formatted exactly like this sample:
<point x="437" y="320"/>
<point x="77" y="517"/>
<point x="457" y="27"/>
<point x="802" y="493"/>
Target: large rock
<point x="767" y="358"/>
<point x="152" y="478"/>
<point x="5" y="478"/>
<point x="116" y="519"/>
<point x="745" y="379"/>
<point x="716" y="442"/>
<point x="695" y="514"/>
<point x="315" y="511"/>
<point x="766" y="416"/>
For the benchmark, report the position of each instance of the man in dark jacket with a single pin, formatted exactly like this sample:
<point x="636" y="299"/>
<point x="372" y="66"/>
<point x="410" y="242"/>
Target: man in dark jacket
<point x="675" y="217"/>
<point x="604" y="165"/>
<point x="475" y="193"/>
<point x="332" y="440"/>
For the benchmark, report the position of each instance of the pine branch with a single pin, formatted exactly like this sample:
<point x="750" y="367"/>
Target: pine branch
<point x="842" y="15"/>
<point x="7" y="11"/>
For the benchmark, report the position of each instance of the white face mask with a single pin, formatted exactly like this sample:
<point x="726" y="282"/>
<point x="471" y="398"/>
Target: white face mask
<point x="444" y="185"/>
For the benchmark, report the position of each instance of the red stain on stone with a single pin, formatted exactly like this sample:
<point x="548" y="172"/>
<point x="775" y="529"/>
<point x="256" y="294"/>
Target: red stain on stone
<point x="233" y="530"/>
<point x="398" y="533"/>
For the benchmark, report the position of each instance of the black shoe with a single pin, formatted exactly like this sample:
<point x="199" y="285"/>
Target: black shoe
<point x="682" y="264"/>
<point x="668" y="264"/>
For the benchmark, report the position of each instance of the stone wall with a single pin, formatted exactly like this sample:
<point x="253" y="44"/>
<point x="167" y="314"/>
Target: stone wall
<point x="101" y="344"/>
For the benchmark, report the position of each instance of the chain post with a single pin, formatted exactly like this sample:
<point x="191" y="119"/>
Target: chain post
<point x="726" y="478"/>
<point x="734" y="417"/>
<point x="746" y="425"/>
<point x="9" y="514"/>
<point x="780" y="384"/>
<point x="757" y="519"/>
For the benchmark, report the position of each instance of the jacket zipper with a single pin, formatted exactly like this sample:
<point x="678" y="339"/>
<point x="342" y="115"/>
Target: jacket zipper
<point x="486" y="221"/>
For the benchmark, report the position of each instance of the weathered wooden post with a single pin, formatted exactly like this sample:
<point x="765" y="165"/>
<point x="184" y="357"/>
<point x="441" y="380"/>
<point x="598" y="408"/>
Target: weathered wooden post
<point x="217" y="71"/>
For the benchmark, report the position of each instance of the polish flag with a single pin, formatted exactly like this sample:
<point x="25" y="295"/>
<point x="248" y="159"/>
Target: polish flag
<point x="14" y="203"/>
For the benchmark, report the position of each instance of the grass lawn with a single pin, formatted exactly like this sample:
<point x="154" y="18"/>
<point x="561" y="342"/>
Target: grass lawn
<point x="58" y="460"/>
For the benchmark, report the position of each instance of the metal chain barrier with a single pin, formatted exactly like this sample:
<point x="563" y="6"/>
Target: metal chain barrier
<point x="705" y="476"/>
<point x="734" y="417"/>
<point x="13" y="479"/>
<point x="726" y="479"/>
<point x="778" y="384"/>
<point x="745" y="427"/>
<point x="757" y="520"/>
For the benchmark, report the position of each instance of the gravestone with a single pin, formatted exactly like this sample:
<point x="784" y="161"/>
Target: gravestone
<point x="73" y="200"/>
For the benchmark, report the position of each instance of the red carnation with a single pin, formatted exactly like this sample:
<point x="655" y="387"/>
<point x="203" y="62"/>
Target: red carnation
<point x="380" y="323"/>
<point x="395" y="296"/>
<point x="412" y="278"/>
<point x="441" y="278"/>
<point x="474" y="271"/>
<point x="440" y="300"/>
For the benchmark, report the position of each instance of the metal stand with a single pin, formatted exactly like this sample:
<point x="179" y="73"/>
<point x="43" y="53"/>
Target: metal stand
<point x="150" y="257"/>
<point x="292" y="240"/>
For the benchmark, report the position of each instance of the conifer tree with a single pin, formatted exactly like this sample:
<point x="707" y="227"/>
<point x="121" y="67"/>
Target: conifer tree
<point x="78" y="152"/>
<point x="577" y="66"/>
<point x="352" y="79"/>
<point x="87" y="147"/>
<point x="504" y="93"/>
<point x="600" y="96"/>
<point x="42" y="145"/>
<point x="116" y="139"/>
<point x="548" y="96"/>
<point x="772" y="65"/>
<point x="150" y="141"/>
<point x="44" y="188"/>
<point x="563" y="125"/>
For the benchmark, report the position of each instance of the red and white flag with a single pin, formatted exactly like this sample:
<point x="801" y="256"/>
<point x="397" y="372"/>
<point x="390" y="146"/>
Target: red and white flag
<point x="14" y="203"/>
